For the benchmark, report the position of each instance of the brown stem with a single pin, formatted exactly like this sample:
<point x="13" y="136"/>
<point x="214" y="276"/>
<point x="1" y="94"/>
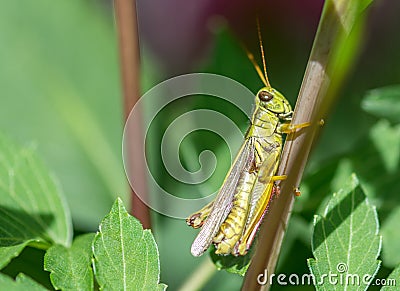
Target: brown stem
<point x="126" y="19"/>
<point x="316" y="96"/>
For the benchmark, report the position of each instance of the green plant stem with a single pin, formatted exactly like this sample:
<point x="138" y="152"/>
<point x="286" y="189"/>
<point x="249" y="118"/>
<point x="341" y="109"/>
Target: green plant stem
<point x="200" y="276"/>
<point x="324" y="74"/>
<point x="126" y="19"/>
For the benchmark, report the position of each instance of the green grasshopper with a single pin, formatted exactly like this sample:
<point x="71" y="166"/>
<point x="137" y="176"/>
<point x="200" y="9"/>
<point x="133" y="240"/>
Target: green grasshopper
<point x="231" y="221"/>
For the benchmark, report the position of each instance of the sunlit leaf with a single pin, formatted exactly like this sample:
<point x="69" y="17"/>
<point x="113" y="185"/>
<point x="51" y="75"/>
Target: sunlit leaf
<point x="126" y="256"/>
<point x="11" y="251"/>
<point x="71" y="267"/>
<point x="345" y="240"/>
<point x="32" y="208"/>
<point x="21" y="283"/>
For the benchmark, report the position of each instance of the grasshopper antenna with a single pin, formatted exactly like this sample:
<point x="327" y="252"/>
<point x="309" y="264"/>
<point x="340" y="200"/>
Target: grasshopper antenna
<point x="263" y="75"/>
<point x="258" y="69"/>
<point x="262" y="54"/>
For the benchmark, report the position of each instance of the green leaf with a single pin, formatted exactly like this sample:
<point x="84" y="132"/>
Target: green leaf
<point x="21" y="283"/>
<point x="32" y="209"/>
<point x="343" y="171"/>
<point x="9" y="252"/>
<point x="383" y="102"/>
<point x="125" y="255"/>
<point x="30" y="262"/>
<point x="391" y="237"/>
<point x="71" y="267"/>
<point x="387" y="141"/>
<point x="392" y="281"/>
<point x="236" y="265"/>
<point x="64" y="103"/>
<point x="345" y="240"/>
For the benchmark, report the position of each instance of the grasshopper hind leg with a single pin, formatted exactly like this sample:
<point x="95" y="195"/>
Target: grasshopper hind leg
<point x="196" y="220"/>
<point x="253" y="222"/>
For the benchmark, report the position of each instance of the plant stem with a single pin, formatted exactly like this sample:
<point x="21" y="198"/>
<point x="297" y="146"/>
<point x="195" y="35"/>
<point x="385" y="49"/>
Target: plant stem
<point x="200" y="276"/>
<point x="125" y="11"/>
<point x="324" y="74"/>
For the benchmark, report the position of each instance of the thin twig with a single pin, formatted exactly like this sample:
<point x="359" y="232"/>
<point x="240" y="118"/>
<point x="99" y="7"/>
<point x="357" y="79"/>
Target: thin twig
<point x="316" y="96"/>
<point x="125" y="11"/>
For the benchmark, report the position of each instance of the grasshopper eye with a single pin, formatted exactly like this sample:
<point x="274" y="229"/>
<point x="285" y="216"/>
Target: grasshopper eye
<point x="265" y="96"/>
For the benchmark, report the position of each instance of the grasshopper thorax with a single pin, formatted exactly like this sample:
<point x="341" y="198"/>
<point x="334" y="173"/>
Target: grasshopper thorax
<point x="273" y="101"/>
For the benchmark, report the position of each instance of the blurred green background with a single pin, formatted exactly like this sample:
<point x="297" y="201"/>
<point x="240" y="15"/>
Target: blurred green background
<point x="60" y="88"/>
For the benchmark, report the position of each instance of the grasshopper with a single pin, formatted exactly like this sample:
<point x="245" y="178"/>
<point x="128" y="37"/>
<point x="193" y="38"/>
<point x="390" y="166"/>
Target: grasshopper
<point x="231" y="221"/>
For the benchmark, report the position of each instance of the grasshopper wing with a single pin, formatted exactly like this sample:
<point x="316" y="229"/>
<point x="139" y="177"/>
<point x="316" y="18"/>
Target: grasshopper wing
<point x="223" y="202"/>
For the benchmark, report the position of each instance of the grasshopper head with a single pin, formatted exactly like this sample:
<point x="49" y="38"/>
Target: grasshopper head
<point x="273" y="101"/>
